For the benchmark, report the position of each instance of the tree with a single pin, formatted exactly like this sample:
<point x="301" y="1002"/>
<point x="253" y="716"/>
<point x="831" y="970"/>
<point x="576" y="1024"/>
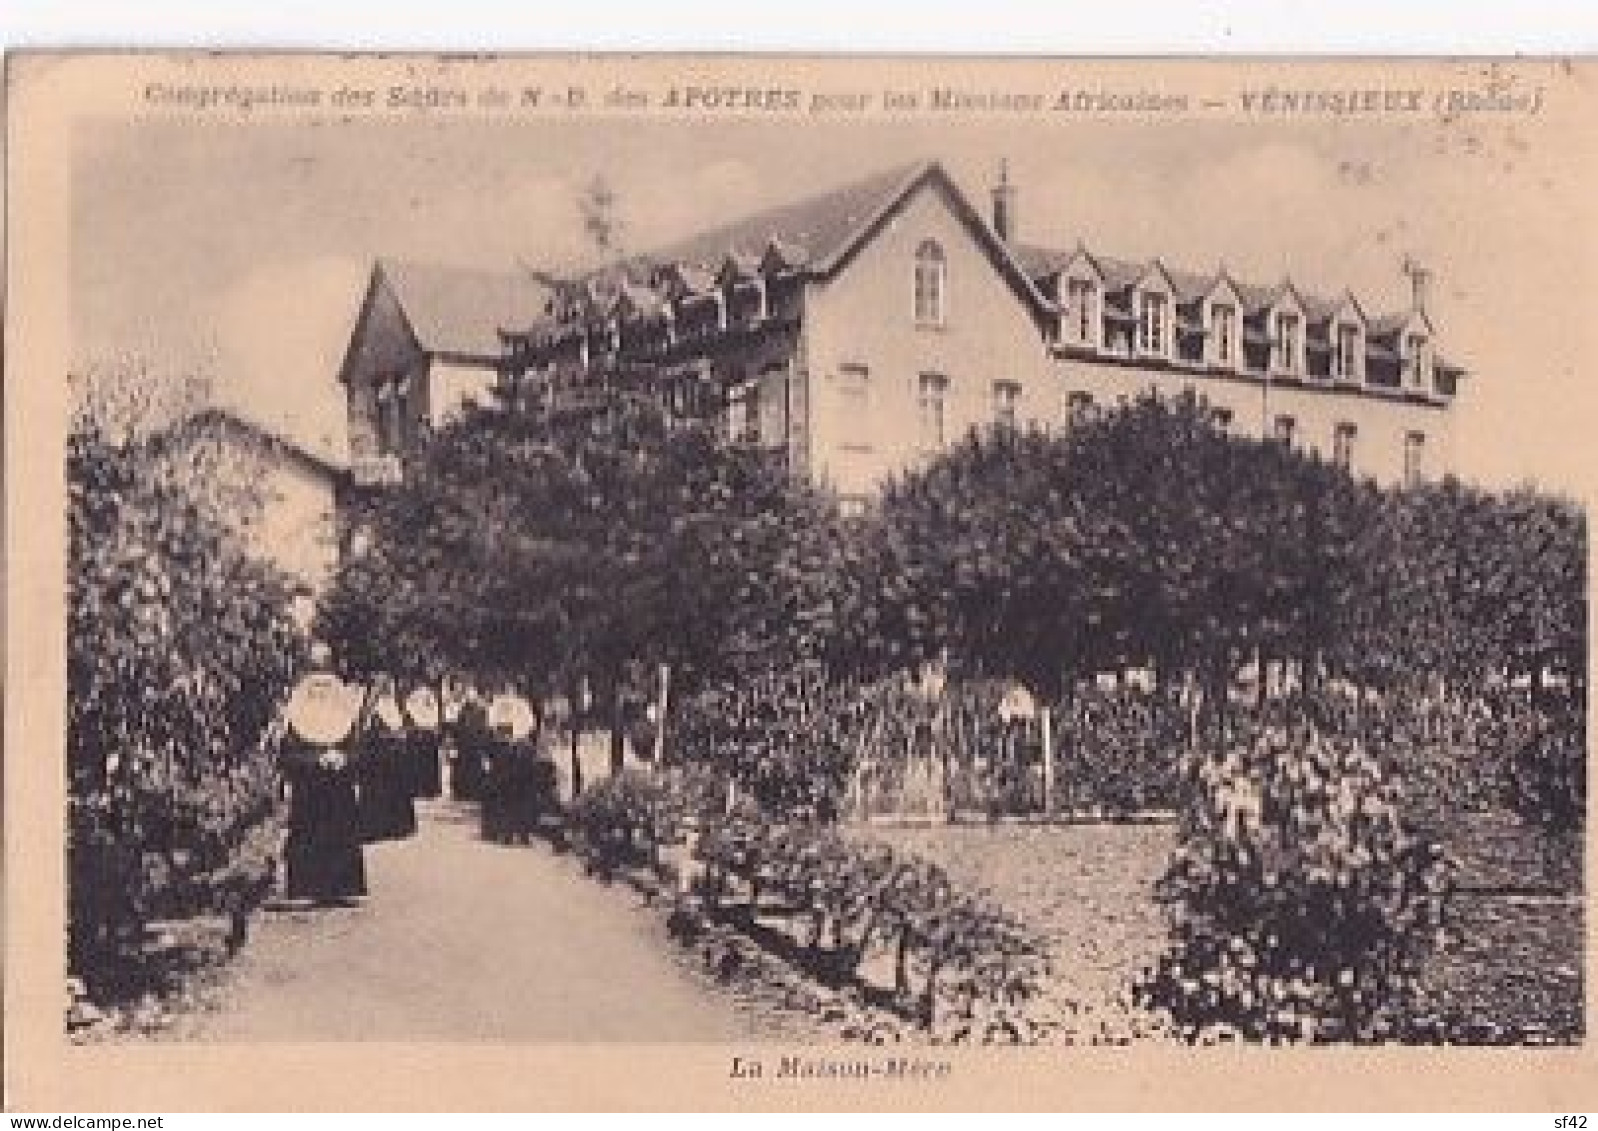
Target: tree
<point x="583" y="545"/>
<point x="178" y="647"/>
<point x="597" y="206"/>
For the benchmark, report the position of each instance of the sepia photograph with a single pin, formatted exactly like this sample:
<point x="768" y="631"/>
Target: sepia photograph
<point x="843" y="564"/>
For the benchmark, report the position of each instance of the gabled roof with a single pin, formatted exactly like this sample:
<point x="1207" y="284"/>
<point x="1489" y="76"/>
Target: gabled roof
<point x="1346" y="301"/>
<point x="1155" y="267"/>
<point x="460" y="310"/>
<point x="737" y="264"/>
<point x="820" y="227"/>
<point x="816" y="236"/>
<point x="320" y="453"/>
<point x="1390" y="324"/>
<point x="779" y="256"/>
<point x="1041" y="262"/>
<point x="1119" y="274"/>
<point x="1192" y="286"/>
<point x="678" y="280"/>
<point x="636" y="299"/>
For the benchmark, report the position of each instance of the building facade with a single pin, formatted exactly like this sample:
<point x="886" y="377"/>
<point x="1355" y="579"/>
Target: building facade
<point x="283" y="500"/>
<point x="426" y="342"/>
<point x="864" y="329"/>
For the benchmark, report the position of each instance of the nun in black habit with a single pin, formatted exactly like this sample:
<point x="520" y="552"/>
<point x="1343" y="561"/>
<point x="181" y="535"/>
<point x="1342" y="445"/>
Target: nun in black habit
<point x="316" y="758"/>
<point x="387" y="781"/>
<point x="424" y="719"/>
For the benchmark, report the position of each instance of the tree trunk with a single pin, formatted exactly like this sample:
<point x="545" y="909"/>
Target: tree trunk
<point x="575" y="720"/>
<point x="618" y="728"/>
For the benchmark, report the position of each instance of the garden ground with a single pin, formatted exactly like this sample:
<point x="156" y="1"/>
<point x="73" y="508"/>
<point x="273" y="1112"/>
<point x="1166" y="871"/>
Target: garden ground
<point x="465" y="940"/>
<point x="1509" y="969"/>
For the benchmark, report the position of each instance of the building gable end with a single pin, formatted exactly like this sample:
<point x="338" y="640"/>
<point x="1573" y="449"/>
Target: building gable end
<point x="933" y="176"/>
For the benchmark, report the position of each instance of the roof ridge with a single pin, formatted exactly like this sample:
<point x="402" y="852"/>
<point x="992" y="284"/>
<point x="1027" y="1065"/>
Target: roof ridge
<point x="273" y="432"/>
<point x="753" y="232"/>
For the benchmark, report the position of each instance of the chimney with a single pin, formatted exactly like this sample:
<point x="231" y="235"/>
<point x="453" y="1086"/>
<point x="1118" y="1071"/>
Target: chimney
<point x="1004" y="204"/>
<point x="1420" y="279"/>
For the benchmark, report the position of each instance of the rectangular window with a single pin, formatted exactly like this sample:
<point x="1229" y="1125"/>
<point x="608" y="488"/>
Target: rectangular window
<point x="1343" y="437"/>
<point x="1223" y="328"/>
<point x="931" y="284"/>
<point x="1078" y="408"/>
<point x="1006" y="402"/>
<point x="933" y="393"/>
<point x="1153" y="331"/>
<point x="391" y="417"/>
<point x="1414" y="458"/>
<point x="743" y="413"/>
<point x="1283" y="430"/>
<point x="1081" y="310"/>
<point x="854" y="406"/>
<point x="1415" y="361"/>
<point x="1287" y="342"/>
<point x="1345" y="364"/>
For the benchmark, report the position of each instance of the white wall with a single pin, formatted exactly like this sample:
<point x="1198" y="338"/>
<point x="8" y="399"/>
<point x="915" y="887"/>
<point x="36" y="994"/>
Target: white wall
<point x="864" y="316"/>
<point x="298" y="524"/>
<point x="1381" y="422"/>
<point x="283" y="507"/>
<point x="451" y="385"/>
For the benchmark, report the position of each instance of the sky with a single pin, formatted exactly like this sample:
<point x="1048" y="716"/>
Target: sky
<point x="241" y="252"/>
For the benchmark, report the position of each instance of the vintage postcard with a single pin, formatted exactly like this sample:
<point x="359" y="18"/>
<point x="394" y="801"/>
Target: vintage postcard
<point x="674" y="582"/>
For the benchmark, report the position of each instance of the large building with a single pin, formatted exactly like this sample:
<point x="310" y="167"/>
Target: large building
<point x="863" y="329"/>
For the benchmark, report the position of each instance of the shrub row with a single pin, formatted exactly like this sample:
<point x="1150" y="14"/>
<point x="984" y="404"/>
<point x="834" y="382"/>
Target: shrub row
<point x="960" y="963"/>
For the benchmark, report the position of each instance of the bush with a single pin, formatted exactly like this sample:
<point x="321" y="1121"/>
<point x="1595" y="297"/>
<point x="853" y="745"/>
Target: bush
<point x="1302" y="904"/>
<point x="178" y="649"/>
<point x="626" y="819"/>
<point x="786" y="738"/>
<point x="1545" y="758"/>
<point x="1121" y="751"/>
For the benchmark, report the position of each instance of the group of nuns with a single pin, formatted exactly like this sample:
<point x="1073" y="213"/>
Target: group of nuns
<point x="500" y="763"/>
<point x="355" y="759"/>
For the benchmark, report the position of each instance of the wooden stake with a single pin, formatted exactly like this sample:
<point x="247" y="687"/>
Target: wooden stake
<point x="1045" y="723"/>
<point x="661" y="706"/>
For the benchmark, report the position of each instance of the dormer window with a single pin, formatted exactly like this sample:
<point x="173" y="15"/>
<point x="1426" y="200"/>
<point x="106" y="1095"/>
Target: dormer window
<point x="1154" y="323"/>
<point x="1082" y="311"/>
<point x="1223" y="334"/>
<point x="1287" y="342"/>
<point x="931" y="284"/>
<point x="1347" y="352"/>
<point x="1415" y="361"/>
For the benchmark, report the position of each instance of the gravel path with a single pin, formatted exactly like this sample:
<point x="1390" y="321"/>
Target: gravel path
<point x="464" y="940"/>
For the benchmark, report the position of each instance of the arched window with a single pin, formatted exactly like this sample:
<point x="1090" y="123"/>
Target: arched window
<point x="931" y="284"/>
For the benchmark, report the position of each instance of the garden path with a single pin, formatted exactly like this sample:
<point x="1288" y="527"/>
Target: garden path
<point x="464" y="940"/>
